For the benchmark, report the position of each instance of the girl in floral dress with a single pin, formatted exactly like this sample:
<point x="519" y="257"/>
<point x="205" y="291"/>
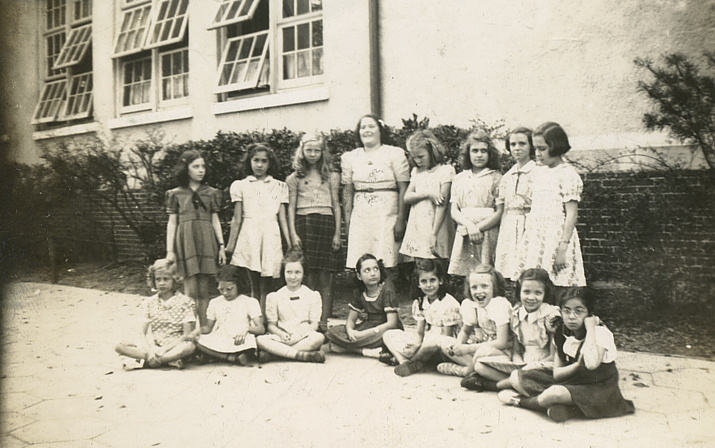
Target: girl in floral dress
<point x="550" y="240"/>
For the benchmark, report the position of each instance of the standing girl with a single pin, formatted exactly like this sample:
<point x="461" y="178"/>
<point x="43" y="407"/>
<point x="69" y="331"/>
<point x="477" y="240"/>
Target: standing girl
<point x="194" y="239"/>
<point x="550" y="240"/>
<point x="378" y="300"/>
<point x="531" y="330"/>
<point x="375" y="177"/>
<point x="485" y="323"/>
<point x="293" y="313"/>
<point x="233" y="319"/>
<point x="515" y="196"/>
<point x="169" y="318"/>
<point x="437" y="316"/>
<point x="429" y="230"/>
<point x="474" y="207"/>
<point x="314" y="216"/>
<point x="584" y="368"/>
<point x="259" y="217"/>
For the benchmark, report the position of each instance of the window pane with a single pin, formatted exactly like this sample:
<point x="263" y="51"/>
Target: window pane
<point x="75" y="47"/>
<point x="288" y="8"/>
<point x="133" y="30"/>
<point x="303" y="7"/>
<point x="289" y="66"/>
<point x="52" y="98"/>
<point x="303" y="36"/>
<point x="318" y="61"/>
<point x="169" y="23"/>
<point x="317" y="33"/>
<point x="243" y="63"/>
<point x="288" y="39"/>
<point x="234" y="11"/>
<point x="317" y="5"/>
<point x="304" y="64"/>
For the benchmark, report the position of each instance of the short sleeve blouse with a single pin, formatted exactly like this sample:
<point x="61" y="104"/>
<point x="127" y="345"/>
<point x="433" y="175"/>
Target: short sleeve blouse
<point x="495" y="314"/>
<point x="391" y="156"/>
<point x="385" y="302"/>
<point x="180" y="200"/>
<point x="261" y="199"/>
<point x="604" y="339"/>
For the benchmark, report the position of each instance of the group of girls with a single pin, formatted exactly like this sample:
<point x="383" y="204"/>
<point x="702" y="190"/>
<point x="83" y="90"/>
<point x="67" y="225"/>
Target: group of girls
<point x="523" y="222"/>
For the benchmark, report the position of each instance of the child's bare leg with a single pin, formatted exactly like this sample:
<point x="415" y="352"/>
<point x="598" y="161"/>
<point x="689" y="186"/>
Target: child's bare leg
<point x="131" y="350"/>
<point x="394" y="341"/>
<point x="311" y="343"/>
<point x="266" y="287"/>
<point x="179" y="351"/>
<point x="325" y="287"/>
<point x="513" y="383"/>
<point x="270" y="345"/>
<point x="555" y="395"/>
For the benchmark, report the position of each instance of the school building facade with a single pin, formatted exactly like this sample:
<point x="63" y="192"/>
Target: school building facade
<point x="118" y="69"/>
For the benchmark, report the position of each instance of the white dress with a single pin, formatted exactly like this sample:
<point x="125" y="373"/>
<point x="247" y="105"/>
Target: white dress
<point x="515" y="194"/>
<point x="374" y="177"/>
<point x="475" y="195"/>
<point x="232" y="317"/>
<point x="419" y="224"/>
<point x="551" y="189"/>
<point x="259" y="246"/>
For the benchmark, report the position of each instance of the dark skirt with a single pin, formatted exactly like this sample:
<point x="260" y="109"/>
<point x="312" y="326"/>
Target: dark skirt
<point x="196" y="248"/>
<point x="596" y="392"/>
<point x="535" y="381"/>
<point x="338" y="334"/>
<point x="316" y="235"/>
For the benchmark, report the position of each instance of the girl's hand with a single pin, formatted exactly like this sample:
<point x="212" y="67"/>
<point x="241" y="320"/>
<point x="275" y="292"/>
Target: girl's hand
<point x="239" y="339"/>
<point x="171" y="256"/>
<point x="433" y="245"/>
<point x="286" y="337"/>
<point x="437" y="198"/>
<point x="457" y="350"/>
<point x="591" y="322"/>
<point x="560" y="261"/>
<point x="399" y="230"/>
<point x="352" y="334"/>
<point x="475" y="235"/>
<point x="297" y="243"/>
<point x="221" y="256"/>
<point x="337" y="242"/>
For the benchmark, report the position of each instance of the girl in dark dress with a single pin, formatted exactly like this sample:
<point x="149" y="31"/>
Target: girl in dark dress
<point x="375" y="298"/>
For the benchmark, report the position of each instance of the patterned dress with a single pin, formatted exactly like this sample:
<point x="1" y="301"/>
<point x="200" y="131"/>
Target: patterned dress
<point x="166" y="318"/>
<point x="196" y="247"/>
<point x="422" y="213"/>
<point x="515" y="194"/>
<point x="374" y="177"/>
<point x="259" y="247"/>
<point x="551" y="189"/>
<point x="475" y="195"/>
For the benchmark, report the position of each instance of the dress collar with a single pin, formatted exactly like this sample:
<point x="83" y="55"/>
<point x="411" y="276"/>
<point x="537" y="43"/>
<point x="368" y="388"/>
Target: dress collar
<point x="482" y="173"/>
<point x="528" y="166"/>
<point x="252" y="178"/>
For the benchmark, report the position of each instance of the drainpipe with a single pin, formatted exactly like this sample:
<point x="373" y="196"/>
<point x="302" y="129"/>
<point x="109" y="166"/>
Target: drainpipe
<point x="375" y="72"/>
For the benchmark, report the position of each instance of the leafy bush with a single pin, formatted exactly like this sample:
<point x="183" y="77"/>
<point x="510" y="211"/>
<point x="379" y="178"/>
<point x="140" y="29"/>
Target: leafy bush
<point x="684" y="100"/>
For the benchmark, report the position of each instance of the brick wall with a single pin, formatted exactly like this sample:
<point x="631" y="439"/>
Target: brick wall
<point x="672" y="215"/>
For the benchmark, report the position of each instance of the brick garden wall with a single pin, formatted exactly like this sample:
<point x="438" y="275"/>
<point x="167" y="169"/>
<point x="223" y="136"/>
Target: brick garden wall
<point x="668" y="218"/>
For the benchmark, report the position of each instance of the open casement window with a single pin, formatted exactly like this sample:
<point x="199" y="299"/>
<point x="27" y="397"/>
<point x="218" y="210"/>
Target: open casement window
<point x="233" y="11"/>
<point x="268" y="46"/>
<point x="151" y="48"/>
<point x="75" y="47"/>
<point x="67" y="91"/>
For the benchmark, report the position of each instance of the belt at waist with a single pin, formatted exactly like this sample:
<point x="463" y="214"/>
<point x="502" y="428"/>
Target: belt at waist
<point x="372" y="190"/>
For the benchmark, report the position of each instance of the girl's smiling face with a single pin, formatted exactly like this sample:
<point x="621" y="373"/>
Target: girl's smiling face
<point x="260" y="164"/>
<point x="294" y="275"/>
<point x="369" y="132"/>
<point x="197" y="170"/>
<point x="164" y="282"/>
<point x="479" y="154"/>
<point x="519" y="147"/>
<point x="481" y="288"/>
<point x="422" y="158"/>
<point x="574" y="312"/>
<point x="369" y="272"/>
<point x="228" y="290"/>
<point x="312" y="151"/>
<point x="532" y="295"/>
<point x="429" y="283"/>
<point x="543" y="152"/>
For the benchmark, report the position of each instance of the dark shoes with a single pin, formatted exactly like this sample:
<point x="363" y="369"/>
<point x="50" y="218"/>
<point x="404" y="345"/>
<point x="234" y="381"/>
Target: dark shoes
<point x="408" y="368"/>
<point x="562" y="412"/>
<point x="474" y="382"/>
<point x="387" y="358"/>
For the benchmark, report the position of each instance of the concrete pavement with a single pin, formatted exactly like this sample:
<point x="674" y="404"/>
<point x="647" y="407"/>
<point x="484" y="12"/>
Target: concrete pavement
<point x="63" y="386"/>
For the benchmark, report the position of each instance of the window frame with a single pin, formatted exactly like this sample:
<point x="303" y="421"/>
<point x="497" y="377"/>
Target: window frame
<point x="273" y="63"/>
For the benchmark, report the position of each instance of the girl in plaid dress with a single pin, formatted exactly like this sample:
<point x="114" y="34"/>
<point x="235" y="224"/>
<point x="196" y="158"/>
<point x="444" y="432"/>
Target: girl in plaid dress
<point x="314" y="217"/>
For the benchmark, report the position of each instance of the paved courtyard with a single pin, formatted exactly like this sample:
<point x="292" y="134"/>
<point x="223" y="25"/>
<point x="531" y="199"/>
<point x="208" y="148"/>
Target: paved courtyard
<point x="63" y="386"/>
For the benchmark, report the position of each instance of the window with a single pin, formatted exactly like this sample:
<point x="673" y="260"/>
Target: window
<point x="257" y="35"/>
<point x="67" y="90"/>
<point x="151" y="49"/>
